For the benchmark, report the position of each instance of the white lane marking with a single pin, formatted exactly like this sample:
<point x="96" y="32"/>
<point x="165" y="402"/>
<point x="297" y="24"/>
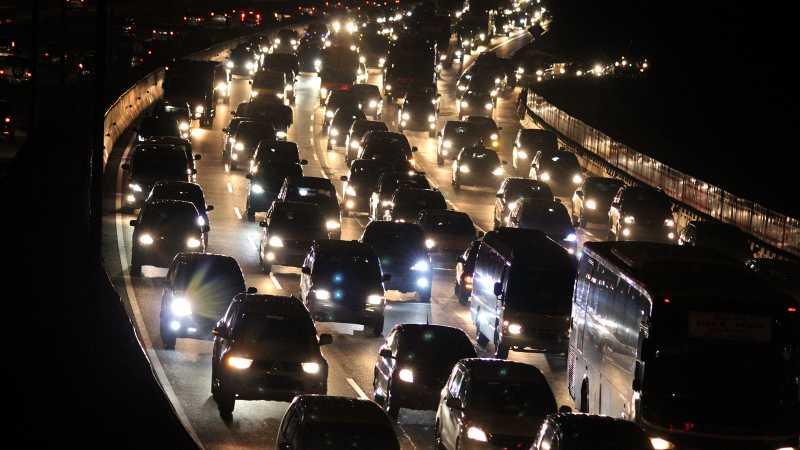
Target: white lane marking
<point x="360" y="392"/>
<point x="144" y="334"/>
<point x="230" y="187"/>
<point x="237" y="212"/>
<point x="274" y="280"/>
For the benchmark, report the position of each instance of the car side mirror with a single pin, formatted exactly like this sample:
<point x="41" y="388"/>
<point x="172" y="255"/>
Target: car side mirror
<point x="263" y="224"/>
<point x="134" y="222"/>
<point x="454" y="403"/>
<point x="249" y="176"/>
<point x="306" y="270"/>
<point x="126" y="166"/>
<point x="386" y="277"/>
<point x="385" y="353"/>
<point x="198" y="156"/>
<point x="343" y="177"/>
<point x="252" y="290"/>
<point x="498" y="289"/>
<point x="564" y="409"/>
<point x="414" y="149"/>
<point x="325" y="339"/>
<point x="303" y="162"/>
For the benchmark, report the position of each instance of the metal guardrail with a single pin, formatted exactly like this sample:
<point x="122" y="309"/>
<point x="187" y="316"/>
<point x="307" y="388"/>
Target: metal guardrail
<point x="774" y="232"/>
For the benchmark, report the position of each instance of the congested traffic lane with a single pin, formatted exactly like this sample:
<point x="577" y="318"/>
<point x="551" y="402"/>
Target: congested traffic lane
<point x="185" y="372"/>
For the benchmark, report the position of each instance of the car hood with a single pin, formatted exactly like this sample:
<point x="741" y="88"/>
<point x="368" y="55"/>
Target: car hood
<point x="505" y="424"/>
<point x="278" y="350"/>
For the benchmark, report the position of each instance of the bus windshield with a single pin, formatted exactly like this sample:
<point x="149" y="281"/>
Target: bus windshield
<point x="540" y="291"/>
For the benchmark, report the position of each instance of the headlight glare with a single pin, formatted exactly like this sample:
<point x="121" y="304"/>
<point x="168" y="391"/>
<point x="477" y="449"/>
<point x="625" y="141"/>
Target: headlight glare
<point x="275" y="241"/>
<point x="180" y="307"/>
<point x="322" y="294"/>
<point x="406" y="375"/>
<point x="237" y="362"/>
<point x="257" y="189"/>
<point x="661" y="444"/>
<point x="571" y="237"/>
<point x="421" y="266"/>
<point x="193" y="242"/>
<point x="146" y="239"/>
<point x="311" y="368"/>
<point x="430" y="243"/>
<point x="375" y="299"/>
<point x="476" y="434"/>
<point x="591" y="204"/>
<point x="332" y="224"/>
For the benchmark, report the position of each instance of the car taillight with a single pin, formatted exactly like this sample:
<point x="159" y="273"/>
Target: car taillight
<point x="8" y="119"/>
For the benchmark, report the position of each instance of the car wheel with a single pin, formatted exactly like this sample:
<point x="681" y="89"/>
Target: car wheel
<point x="226" y="401"/>
<point x="377" y="327"/>
<point x="424" y="296"/>
<point x="390" y="405"/>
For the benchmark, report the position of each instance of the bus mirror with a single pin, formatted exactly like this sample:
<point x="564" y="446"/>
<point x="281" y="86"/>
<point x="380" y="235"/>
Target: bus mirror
<point x="498" y="289"/>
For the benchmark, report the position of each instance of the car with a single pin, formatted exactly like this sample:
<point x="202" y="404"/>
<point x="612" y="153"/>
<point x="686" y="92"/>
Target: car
<point x="402" y="253"/>
<point x="163" y="229"/>
<point x="245" y="140"/>
<point x="447" y="232"/>
<point x="359" y="182"/>
<point x="177" y="111"/>
<point x="414" y="363"/>
<point x="592" y="200"/>
<point x="528" y="143"/>
<point x="407" y="203"/>
<point x="340" y="124"/>
<point x="513" y="189"/>
<point x="475" y="103"/>
<point x="385" y="145"/>
<point x="309" y="55"/>
<point x="488" y="129"/>
<point x="358" y="129"/>
<point x="230" y="131"/>
<point x="8" y="125"/>
<point x="477" y="166"/>
<point x="389" y="181"/>
<point x="482" y="81"/>
<point x="289" y="230"/>
<point x="369" y="99"/>
<point x="641" y="213"/>
<point x="342" y="281"/>
<point x="548" y="216"/>
<point x="286" y="41"/>
<point x="454" y="136"/>
<point x="465" y="267"/>
<point x="335" y="100"/>
<point x="273" y="112"/>
<point x="151" y="127"/>
<point x="561" y="171"/>
<point x="270" y="83"/>
<point x="589" y="431"/>
<point x="150" y="163"/>
<point x="276" y="152"/>
<point x="419" y="113"/>
<point x="179" y="144"/>
<point x="315" y="422"/>
<point x="318" y="191"/>
<point x="199" y="288"/>
<point x="182" y="190"/>
<point x="242" y="62"/>
<point x="783" y="274"/>
<point x="492" y="404"/>
<point x="372" y="47"/>
<point x="266" y="180"/>
<point x="725" y="238"/>
<point x="266" y="348"/>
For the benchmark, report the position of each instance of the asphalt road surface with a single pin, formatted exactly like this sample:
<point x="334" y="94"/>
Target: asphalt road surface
<point x="185" y="372"/>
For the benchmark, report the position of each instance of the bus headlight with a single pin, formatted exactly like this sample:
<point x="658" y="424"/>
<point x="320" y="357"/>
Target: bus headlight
<point x="180" y="307"/>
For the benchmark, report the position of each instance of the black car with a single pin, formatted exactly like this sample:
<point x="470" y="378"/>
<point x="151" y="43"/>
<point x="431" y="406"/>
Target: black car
<point x="179" y="144"/>
<point x="230" y="130"/>
<point x="369" y="99"/>
<point x="528" y="143"/>
<point x="340" y="124"/>
<point x="725" y="238"/>
<point x="182" y="190"/>
<point x="273" y="112"/>
<point x="359" y="182"/>
<point x="414" y="363"/>
<point x="591" y="201"/>
<point x="358" y="130"/>
<point x="407" y="202"/>
<point x="150" y="163"/>
<point x="475" y="103"/>
<point x="477" y="166"/>
<point x="199" y="288"/>
<point x="242" y="61"/>
<point x="402" y="252"/>
<point x="465" y="268"/>
<point x="318" y="191"/>
<point x="447" y="232"/>
<point x="245" y="140"/>
<point x="372" y="47"/>
<point x="270" y="83"/>
<point x="151" y="127"/>
<point x="335" y="100"/>
<point x="289" y="230"/>
<point x="641" y="213"/>
<point x="548" y="216"/>
<point x="266" y="348"/>
<point x="513" y="189"/>
<point x="286" y="41"/>
<point x="489" y="130"/>
<point x="386" y="146"/>
<point x="454" y="136"/>
<point x="174" y="111"/>
<point x="561" y="170"/>
<point x="266" y="180"/>
<point x="315" y="422"/>
<point x="391" y="180"/>
<point x="276" y="152"/>
<point x="341" y="281"/>
<point x="591" y="432"/>
<point x="419" y="113"/>
<point x="309" y="55"/>
<point x="8" y="125"/>
<point x="163" y="229"/>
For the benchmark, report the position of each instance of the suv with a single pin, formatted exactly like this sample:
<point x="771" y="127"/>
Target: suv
<point x="183" y="190"/>
<point x="341" y="281"/>
<point x="402" y="252"/>
<point x="547" y="216"/>
<point x="641" y="213"/>
<point x="724" y="238"/>
<point x="245" y="140"/>
<point x="266" y="181"/>
<point x="446" y="231"/>
<point x="454" y="136"/>
<point x="488" y="129"/>
<point x="150" y="163"/>
<point x="317" y="191"/>
<point x="560" y="170"/>
<point x="385" y="145"/>
<point x="419" y="112"/>
<point x="289" y="230"/>
<point x="358" y="130"/>
<point x="592" y="200"/>
<point x="163" y="229"/>
<point x="514" y="189"/>
<point x="266" y="348"/>
<point x="381" y="199"/>
<point x="199" y="288"/>
<point x="477" y="166"/>
<point x="528" y="143"/>
<point x="408" y="202"/>
<point x="340" y="124"/>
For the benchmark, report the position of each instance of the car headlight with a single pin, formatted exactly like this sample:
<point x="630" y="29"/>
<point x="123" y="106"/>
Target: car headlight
<point x="406" y="116"/>
<point x="322" y="294"/>
<point x="239" y="146"/>
<point x="515" y="328"/>
<point x="183" y="126"/>
<point x="146" y="239"/>
<point x="463" y="168"/>
<point x="381" y="61"/>
<point x="289" y="87"/>
<point x="464" y="104"/>
<point x="387" y="203"/>
<point x="661" y="444"/>
<point x="254" y="93"/>
<point x="430" y="243"/>
<point x="577" y="179"/>
<point x="669" y="223"/>
<point x="248" y="65"/>
<point x="494" y="136"/>
<point x="180" y="307"/>
<point x="459" y="53"/>
<point x="317" y="64"/>
<point x="355" y="145"/>
<point x="257" y="188"/>
<point x="571" y="237"/>
<point x="406" y="375"/>
<point x="311" y="368"/>
<point x="498" y="171"/>
<point x="350" y="191"/>
<point x="334" y="132"/>
<point x="671" y="236"/>
<point x="488" y="106"/>
<point x="629" y="219"/>
<point x="388" y="87"/>
<point x="522" y="154"/>
<point x="237" y="362"/>
<point x="199" y="109"/>
<point x="280" y="134"/>
<point x="421" y="266"/>
<point x="465" y="42"/>
<point x="277" y="40"/>
<point x="135" y="187"/>
<point x="362" y="59"/>
<point x="201" y="222"/>
<point x="293" y="42"/>
<point x="193" y="242"/>
<point x="447" y="143"/>
<point x="482" y="36"/>
<point x="329" y="114"/>
<point x="229" y="64"/>
<point x="544" y="176"/>
<point x="375" y="299"/>
<point x="324" y="92"/>
<point x="332" y="225"/>
<point x="373" y="103"/>
<point x="591" y="204"/>
<point x="476" y="434"/>
<point x="275" y="241"/>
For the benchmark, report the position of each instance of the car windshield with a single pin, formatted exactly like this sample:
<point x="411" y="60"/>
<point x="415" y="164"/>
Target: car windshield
<point x="521" y="399"/>
<point x="450" y="223"/>
<point x="295" y="220"/>
<point x="269" y="80"/>
<point x="553" y="220"/>
<point x="159" y="127"/>
<point x="260" y="328"/>
<point x="254" y="132"/>
<point x="342" y="268"/>
<point x="282" y="152"/>
<point x="209" y="283"/>
<point x="435" y="346"/>
<point x="386" y="239"/>
<point x="541" y="291"/>
<point x="366" y="91"/>
<point x="527" y="189"/>
<point x="168" y="192"/>
<point x="338" y="436"/>
<point x="605" y="436"/>
<point x="481" y="157"/>
<point x="545" y="140"/>
<point x="165" y="164"/>
<point x="602" y="186"/>
<point x="418" y="101"/>
<point x="171" y="217"/>
<point x="274" y="174"/>
<point x="646" y="200"/>
<point x="462" y="132"/>
<point x="388" y="143"/>
<point x="483" y="123"/>
<point x="312" y="194"/>
<point x="564" y="161"/>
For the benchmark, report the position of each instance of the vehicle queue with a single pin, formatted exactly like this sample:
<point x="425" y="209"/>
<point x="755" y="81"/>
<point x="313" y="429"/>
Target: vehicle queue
<point x="648" y="322"/>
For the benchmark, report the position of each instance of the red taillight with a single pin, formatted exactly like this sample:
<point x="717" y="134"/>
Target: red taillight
<point x="8" y="119"/>
<point x="790" y="309"/>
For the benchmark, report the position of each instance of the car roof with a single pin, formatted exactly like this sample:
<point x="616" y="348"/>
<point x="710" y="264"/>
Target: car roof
<point x="274" y="304"/>
<point x="569" y="421"/>
<point x="540" y="204"/>
<point x="182" y="185"/>
<point x="309" y="181"/>
<point x="175" y="204"/>
<point x="327" y="246"/>
<point x="197" y="256"/>
<point x="329" y="408"/>
<point x="422" y="327"/>
<point x="294" y="206"/>
<point x="392" y="226"/>
<point x="491" y="369"/>
<point x="415" y="191"/>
